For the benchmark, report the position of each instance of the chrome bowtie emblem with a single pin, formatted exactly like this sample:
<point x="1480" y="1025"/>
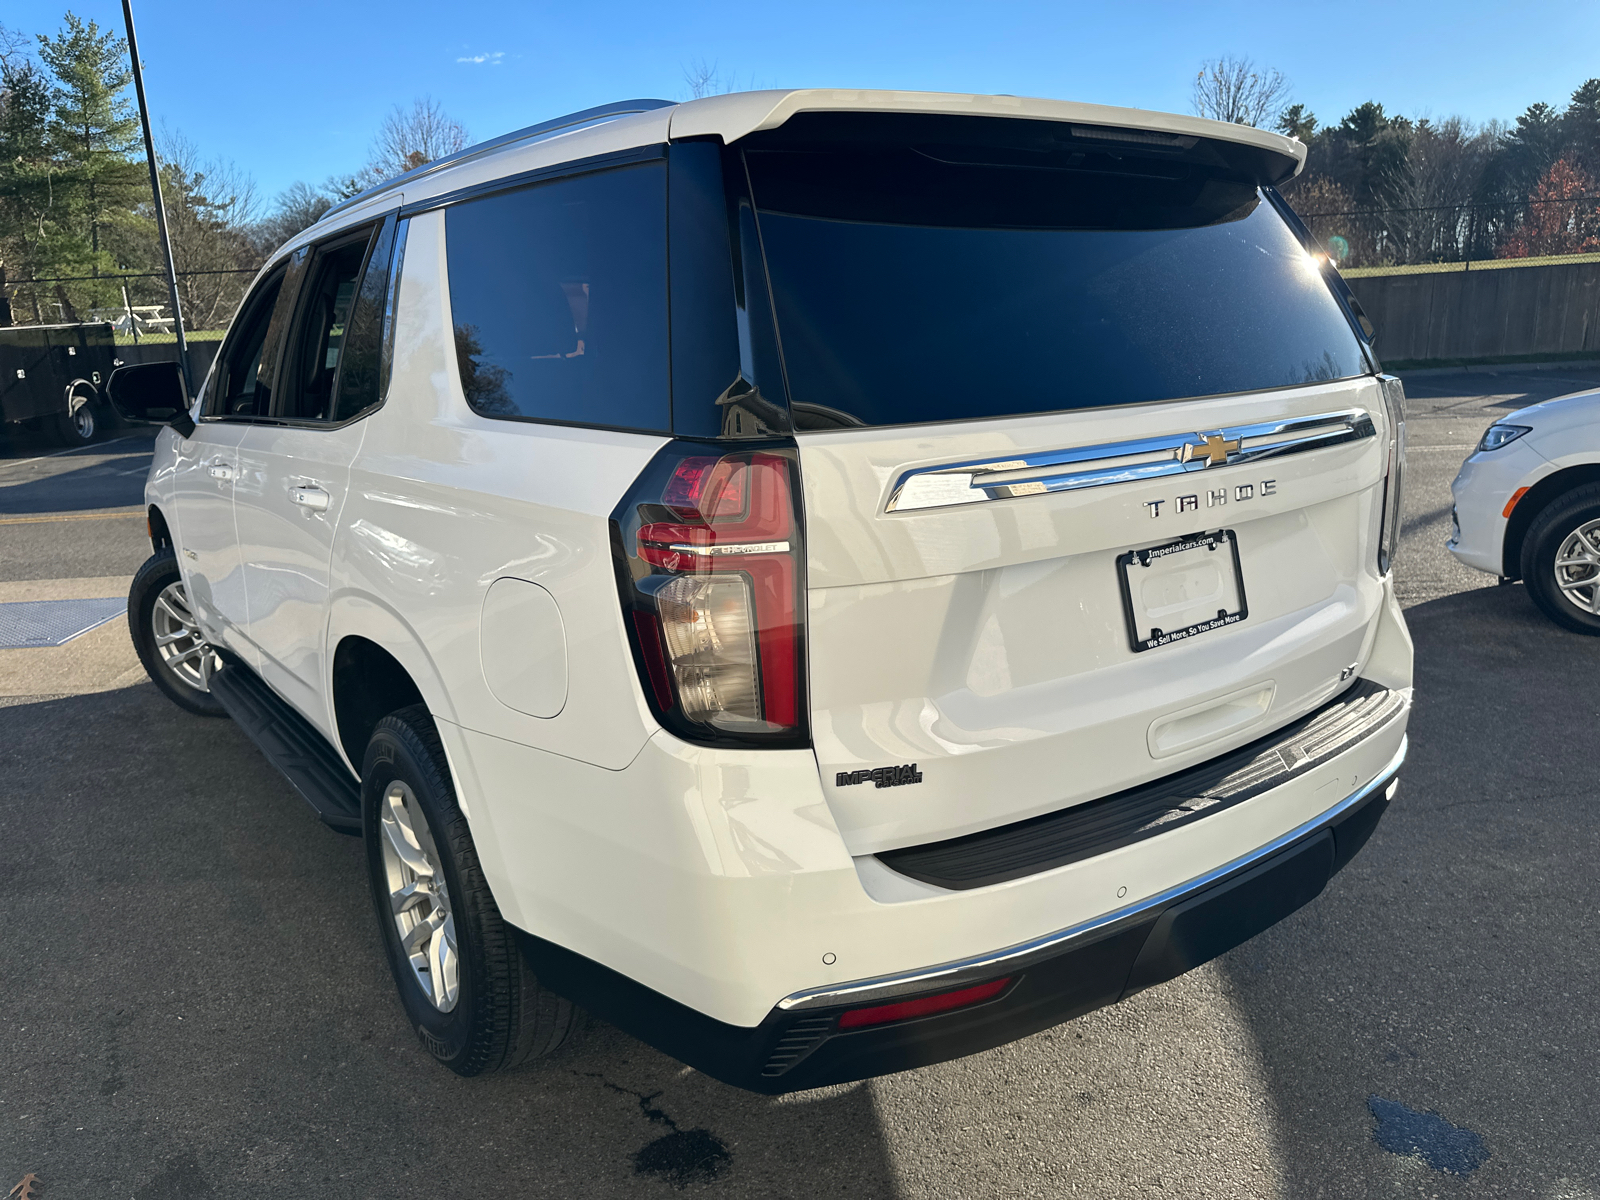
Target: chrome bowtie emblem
<point x="1213" y="448"/>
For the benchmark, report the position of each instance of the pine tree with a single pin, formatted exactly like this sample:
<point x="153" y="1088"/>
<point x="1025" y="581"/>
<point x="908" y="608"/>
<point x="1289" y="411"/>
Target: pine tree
<point x="94" y="134"/>
<point x="1580" y="126"/>
<point x="25" y="175"/>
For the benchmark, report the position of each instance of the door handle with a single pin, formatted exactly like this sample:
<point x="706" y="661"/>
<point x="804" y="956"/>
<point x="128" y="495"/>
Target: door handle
<point x="218" y="469"/>
<point x="313" y="498"/>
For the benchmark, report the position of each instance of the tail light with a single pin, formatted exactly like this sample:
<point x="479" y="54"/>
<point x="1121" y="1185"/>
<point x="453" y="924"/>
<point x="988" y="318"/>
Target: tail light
<point x="1394" y="404"/>
<point x="708" y="548"/>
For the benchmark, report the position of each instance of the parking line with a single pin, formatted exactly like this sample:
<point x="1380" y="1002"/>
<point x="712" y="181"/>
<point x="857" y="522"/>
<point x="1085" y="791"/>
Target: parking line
<point x="112" y="515"/>
<point x="17" y="462"/>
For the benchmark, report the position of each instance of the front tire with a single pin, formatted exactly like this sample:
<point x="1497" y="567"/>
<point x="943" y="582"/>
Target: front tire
<point x="169" y="641"/>
<point x="463" y="982"/>
<point x="1561" y="560"/>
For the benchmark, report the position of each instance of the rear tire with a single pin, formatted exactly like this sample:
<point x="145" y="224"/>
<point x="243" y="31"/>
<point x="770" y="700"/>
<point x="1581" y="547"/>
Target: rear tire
<point x="81" y="425"/>
<point x="169" y="642"/>
<point x="463" y="982"/>
<point x="1561" y="560"/>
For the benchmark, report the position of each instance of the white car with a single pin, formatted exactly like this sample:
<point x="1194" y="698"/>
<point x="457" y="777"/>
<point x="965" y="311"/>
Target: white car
<point x="1527" y="506"/>
<point x="828" y="581"/>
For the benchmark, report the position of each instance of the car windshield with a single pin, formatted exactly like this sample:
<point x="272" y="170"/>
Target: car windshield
<point x="912" y="284"/>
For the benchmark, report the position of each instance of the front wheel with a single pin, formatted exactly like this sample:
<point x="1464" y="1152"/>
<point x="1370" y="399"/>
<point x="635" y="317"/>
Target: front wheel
<point x="1561" y="560"/>
<point x="168" y="639"/>
<point x="463" y="982"/>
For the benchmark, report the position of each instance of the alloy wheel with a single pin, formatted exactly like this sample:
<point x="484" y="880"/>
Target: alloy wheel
<point x="183" y="648"/>
<point x="1577" y="567"/>
<point x="83" y="422"/>
<point x="419" y="900"/>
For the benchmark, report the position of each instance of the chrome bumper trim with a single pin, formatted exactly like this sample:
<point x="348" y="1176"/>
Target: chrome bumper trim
<point x="884" y="988"/>
<point x="1122" y="462"/>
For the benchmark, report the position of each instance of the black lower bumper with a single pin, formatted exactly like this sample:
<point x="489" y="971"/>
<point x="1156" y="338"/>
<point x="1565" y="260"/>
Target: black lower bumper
<point x="805" y="1048"/>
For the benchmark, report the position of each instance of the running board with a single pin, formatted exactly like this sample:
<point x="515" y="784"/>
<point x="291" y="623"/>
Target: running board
<point x="293" y="745"/>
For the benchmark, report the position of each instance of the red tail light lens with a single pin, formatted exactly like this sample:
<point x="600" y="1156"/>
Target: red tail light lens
<point x="922" y="1006"/>
<point x="709" y="561"/>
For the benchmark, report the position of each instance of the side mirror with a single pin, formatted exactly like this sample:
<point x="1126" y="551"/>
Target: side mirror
<point x="151" y="394"/>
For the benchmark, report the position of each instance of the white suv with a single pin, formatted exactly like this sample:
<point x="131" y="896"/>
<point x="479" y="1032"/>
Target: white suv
<point x="827" y="581"/>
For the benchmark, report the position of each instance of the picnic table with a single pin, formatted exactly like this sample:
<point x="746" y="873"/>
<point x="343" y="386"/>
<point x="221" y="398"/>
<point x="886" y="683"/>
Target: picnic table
<point x="134" y="318"/>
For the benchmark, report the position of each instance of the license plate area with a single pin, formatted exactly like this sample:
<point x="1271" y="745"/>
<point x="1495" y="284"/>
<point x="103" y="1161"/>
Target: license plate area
<point x="1181" y="589"/>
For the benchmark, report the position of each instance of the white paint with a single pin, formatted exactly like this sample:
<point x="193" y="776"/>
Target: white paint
<point x="524" y="646"/>
<point x="1563" y="432"/>
<point x="985" y="643"/>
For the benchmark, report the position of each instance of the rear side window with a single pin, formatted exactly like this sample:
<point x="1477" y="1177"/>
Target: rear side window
<point x="359" y="383"/>
<point x="945" y="282"/>
<point x="558" y="295"/>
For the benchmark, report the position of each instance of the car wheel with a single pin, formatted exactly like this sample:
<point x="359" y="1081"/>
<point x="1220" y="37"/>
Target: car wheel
<point x="1561" y="560"/>
<point x="463" y="982"/>
<point x="167" y="638"/>
<point x="79" y="426"/>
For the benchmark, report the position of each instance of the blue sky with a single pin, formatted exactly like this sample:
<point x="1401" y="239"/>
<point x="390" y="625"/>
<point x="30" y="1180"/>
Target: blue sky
<point x="295" y="90"/>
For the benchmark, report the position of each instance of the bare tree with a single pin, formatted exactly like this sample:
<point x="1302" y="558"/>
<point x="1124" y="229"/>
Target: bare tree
<point x="299" y="206"/>
<point x="1237" y="91"/>
<point x="1433" y="219"/>
<point x="211" y="209"/>
<point x="14" y="46"/>
<point x="410" y="138"/>
<point x="704" y="79"/>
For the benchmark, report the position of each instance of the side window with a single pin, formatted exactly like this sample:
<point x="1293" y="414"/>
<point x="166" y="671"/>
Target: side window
<point x="242" y="383"/>
<point x="324" y="322"/>
<point x="391" y="308"/>
<point x="359" y="387"/>
<point x="558" y="295"/>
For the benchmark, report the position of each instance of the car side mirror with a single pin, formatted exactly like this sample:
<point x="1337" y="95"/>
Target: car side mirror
<point x="151" y="394"/>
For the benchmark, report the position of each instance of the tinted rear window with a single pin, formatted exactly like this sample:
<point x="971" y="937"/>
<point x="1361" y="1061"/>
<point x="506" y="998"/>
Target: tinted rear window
<point x="945" y="282"/>
<point x="558" y="295"/>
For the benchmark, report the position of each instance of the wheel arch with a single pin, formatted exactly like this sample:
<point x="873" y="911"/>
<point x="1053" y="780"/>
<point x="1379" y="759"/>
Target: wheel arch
<point x="377" y="665"/>
<point x="156" y="527"/>
<point x="71" y="391"/>
<point x="1538" y="497"/>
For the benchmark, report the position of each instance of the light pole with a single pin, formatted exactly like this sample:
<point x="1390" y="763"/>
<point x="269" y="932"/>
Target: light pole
<point x="155" y="189"/>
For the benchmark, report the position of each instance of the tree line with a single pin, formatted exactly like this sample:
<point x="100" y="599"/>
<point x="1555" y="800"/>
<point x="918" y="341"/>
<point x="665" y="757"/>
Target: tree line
<point x="1381" y="189"/>
<point x="77" y="220"/>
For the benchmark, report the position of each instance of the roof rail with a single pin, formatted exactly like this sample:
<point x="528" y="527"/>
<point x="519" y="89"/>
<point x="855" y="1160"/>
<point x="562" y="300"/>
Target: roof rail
<point x="589" y="116"/>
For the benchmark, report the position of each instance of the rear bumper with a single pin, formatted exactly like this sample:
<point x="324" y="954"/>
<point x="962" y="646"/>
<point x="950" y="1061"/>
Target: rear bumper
<point x="1052" y="979"/>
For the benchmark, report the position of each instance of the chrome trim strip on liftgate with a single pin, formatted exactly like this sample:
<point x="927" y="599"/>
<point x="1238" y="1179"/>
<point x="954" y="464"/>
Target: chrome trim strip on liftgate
<point x="1122" y="462"/>
<point x="1017" y="958"/>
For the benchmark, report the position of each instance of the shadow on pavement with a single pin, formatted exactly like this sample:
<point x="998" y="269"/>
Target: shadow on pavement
<point x="112" y="476"/>
<point x="191" y="965"/>
<point x="1451" y="968"/>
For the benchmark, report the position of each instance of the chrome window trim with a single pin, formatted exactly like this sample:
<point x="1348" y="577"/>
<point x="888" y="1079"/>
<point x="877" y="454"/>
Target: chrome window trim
<point x="1122" y="462"/>
<point x="1016" y="958"/>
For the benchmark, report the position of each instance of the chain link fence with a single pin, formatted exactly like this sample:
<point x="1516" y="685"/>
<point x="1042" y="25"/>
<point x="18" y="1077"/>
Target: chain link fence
<point x="1470" y="236"/>
<point x="137" y="303"/>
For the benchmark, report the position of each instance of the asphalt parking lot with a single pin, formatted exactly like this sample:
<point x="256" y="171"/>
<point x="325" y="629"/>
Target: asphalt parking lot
<point x="195" y="1002"/>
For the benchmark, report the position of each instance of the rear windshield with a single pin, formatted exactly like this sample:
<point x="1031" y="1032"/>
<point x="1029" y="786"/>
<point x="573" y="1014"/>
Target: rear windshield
<point x="920" y="283"/>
